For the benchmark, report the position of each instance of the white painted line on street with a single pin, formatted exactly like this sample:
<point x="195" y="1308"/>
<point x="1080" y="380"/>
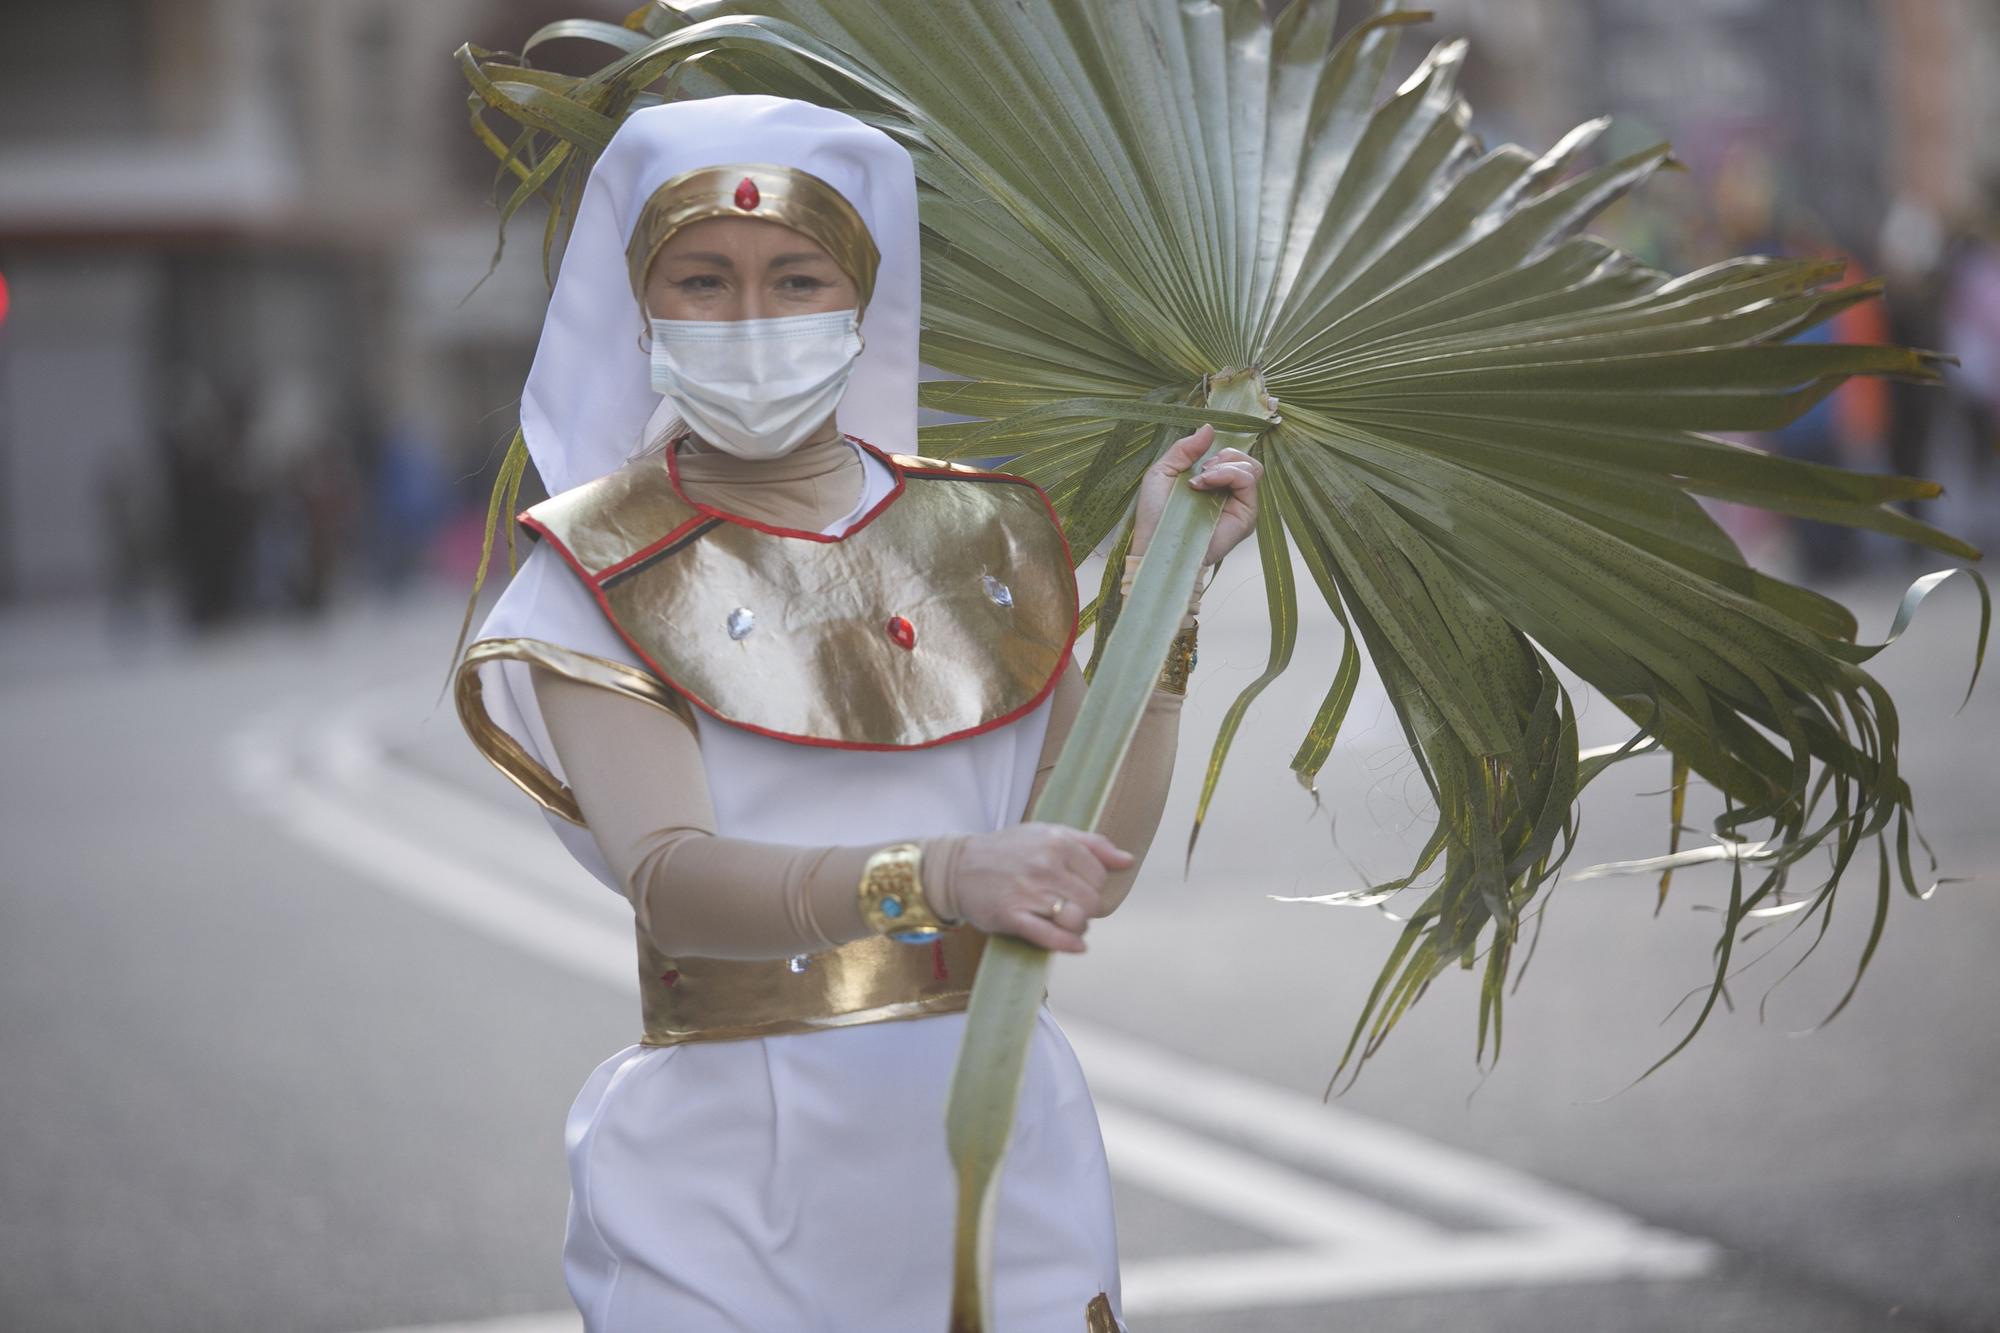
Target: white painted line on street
<point x="525" y="1323"/>
<point x="1263" y="1279"/>
<point x="1252" y="1191"/>
<point x="1345" y="1244"/>
<point x="1349" y="1146"/>
<point x="346" y="746"/>
<point x="488" y="903"/>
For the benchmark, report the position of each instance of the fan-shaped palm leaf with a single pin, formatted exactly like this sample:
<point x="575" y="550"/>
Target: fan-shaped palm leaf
<point x="1483" y="432"/>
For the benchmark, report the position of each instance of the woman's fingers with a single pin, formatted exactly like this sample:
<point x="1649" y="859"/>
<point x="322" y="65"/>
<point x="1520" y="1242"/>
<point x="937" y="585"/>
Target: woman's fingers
<point x="1080" y="866"/>
<point x="1182" y="453"/>
<point x="1054" y="863"/>
<point x="1108" y="853"/>
<point x="1231" y="468"/>
<point x="1036" y="928"/>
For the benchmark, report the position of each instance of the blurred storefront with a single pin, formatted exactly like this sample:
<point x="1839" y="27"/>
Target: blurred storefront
<point x="238" y="238"/>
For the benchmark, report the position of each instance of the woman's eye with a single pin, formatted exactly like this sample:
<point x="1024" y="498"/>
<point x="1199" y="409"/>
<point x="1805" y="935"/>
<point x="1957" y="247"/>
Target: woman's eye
<point x="800" y="282"/>
<point x="700" y="282"/>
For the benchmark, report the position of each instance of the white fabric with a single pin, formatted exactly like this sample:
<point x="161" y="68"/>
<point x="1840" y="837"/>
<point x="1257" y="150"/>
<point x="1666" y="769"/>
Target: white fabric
<point x="801" y="1183"/>
<point x="589" y="392"/>
<point x="755" y="388"/>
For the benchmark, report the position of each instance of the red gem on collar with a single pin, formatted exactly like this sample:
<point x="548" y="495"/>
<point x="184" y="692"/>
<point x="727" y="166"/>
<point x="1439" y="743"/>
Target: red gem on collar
<point x="746" y="195"/>
<point x="671" y="975"/>
<point x="901" y="632"/>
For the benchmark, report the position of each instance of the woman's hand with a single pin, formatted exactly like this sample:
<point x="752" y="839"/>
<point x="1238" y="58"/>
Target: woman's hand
<point x="1230" y="469"/>
<point x="1007" y="882"/>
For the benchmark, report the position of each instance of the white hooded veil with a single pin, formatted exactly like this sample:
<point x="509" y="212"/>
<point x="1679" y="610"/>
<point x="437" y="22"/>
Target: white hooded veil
<point x="588" y="402"/>
<point x="589" y="395"/>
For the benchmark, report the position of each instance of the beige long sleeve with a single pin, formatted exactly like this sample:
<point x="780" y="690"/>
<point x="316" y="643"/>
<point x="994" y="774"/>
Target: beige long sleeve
<point x="637" y="776"/>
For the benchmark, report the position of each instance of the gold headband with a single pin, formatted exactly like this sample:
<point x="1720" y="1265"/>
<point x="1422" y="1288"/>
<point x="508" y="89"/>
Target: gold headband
<point x="798" y="199"/>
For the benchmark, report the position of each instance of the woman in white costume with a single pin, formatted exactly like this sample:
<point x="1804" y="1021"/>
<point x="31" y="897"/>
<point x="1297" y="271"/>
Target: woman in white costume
<point x="790" y="689"/>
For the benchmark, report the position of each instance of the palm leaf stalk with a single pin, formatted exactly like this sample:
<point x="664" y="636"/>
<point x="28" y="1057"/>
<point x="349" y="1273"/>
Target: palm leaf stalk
<point x="1012" y="976"/>
<point x="1490" y="432"/>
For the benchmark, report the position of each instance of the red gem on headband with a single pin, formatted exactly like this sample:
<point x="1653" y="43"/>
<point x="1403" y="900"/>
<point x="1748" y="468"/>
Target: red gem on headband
<point x="746" y="194"/>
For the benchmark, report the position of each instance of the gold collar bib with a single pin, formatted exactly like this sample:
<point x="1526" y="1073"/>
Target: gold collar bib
<point x="946" y="610"/>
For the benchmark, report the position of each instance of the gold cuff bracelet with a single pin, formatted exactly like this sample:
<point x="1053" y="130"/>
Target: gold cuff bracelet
<point x="892" y="896"/>
<point x="1180" y="662"/>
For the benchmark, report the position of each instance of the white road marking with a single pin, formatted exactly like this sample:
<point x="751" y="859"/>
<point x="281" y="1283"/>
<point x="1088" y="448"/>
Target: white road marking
<point x="1252" y="1191"/>
<point x="1348" y="1146"/>
<point x="1263" y="1279"/>
<point x="529" y="1323"/>
<point x="346" y="746"/>
<point x="1263" y="1157"/>
<point x="491" y="904"/>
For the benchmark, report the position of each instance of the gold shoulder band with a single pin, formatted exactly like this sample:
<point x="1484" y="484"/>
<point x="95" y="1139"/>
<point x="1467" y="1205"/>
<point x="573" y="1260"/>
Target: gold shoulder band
<point x="797" y="199"/>
<point x="507" y="754"/>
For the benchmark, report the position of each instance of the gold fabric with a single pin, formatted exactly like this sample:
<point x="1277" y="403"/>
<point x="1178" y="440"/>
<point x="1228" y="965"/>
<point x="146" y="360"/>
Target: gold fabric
<point x="786" y="195"/>
<point x="507" y="754"/>
<point x="870" y="980"/>
<point x="1097" y="1316"/>
<point x="973" y="561"/>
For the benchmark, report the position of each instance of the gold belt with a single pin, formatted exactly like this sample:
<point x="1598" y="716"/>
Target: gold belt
<point x="869" y="980"/>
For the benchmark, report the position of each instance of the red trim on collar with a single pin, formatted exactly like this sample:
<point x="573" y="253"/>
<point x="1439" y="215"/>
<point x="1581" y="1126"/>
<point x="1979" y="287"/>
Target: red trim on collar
<point x="593" y="582"/>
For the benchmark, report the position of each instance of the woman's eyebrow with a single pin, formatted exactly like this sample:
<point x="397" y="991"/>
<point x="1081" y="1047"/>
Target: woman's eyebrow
<point x="799" y="257"/>
<point x="703" y="257"/>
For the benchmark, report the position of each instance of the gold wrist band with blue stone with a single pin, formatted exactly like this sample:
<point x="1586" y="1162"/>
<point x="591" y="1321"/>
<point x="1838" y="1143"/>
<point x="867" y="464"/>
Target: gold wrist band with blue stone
<point x="892" y="896"/>
<point x="1180" y="661"/>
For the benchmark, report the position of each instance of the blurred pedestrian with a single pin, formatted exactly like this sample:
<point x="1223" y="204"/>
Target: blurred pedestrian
<point x="1848" y="428"/>
<point x="1911" y="247"/>
<point x="210" y="497"/>
<point x="128" y="525"/>
<point x="1971" y="326"/>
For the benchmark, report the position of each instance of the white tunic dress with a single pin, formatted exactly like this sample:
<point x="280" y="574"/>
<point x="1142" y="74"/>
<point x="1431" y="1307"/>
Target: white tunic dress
<point x="801" y="1182"/>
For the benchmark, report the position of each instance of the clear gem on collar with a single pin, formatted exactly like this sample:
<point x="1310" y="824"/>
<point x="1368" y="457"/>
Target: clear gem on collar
<point x="1000" y="593"/>
<point x="798" y="962"/>
<point x="741" y="621"/>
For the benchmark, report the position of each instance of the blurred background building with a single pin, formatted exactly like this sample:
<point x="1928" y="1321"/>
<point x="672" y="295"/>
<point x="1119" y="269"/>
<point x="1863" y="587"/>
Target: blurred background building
<point x="238" y="359"/>
<point x="237" y="238"/>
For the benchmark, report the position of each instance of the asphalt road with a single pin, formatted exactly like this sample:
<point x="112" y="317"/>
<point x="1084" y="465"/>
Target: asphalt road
<point x="273" y="1061"/>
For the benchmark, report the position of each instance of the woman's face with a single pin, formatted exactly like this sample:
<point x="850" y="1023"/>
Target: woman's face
<point x="744" y="268"/>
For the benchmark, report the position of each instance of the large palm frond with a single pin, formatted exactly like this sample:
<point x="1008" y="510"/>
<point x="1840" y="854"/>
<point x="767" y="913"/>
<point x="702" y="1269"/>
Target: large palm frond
<point x="1485" y="433"/>
<point x="1492" y="428"/>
